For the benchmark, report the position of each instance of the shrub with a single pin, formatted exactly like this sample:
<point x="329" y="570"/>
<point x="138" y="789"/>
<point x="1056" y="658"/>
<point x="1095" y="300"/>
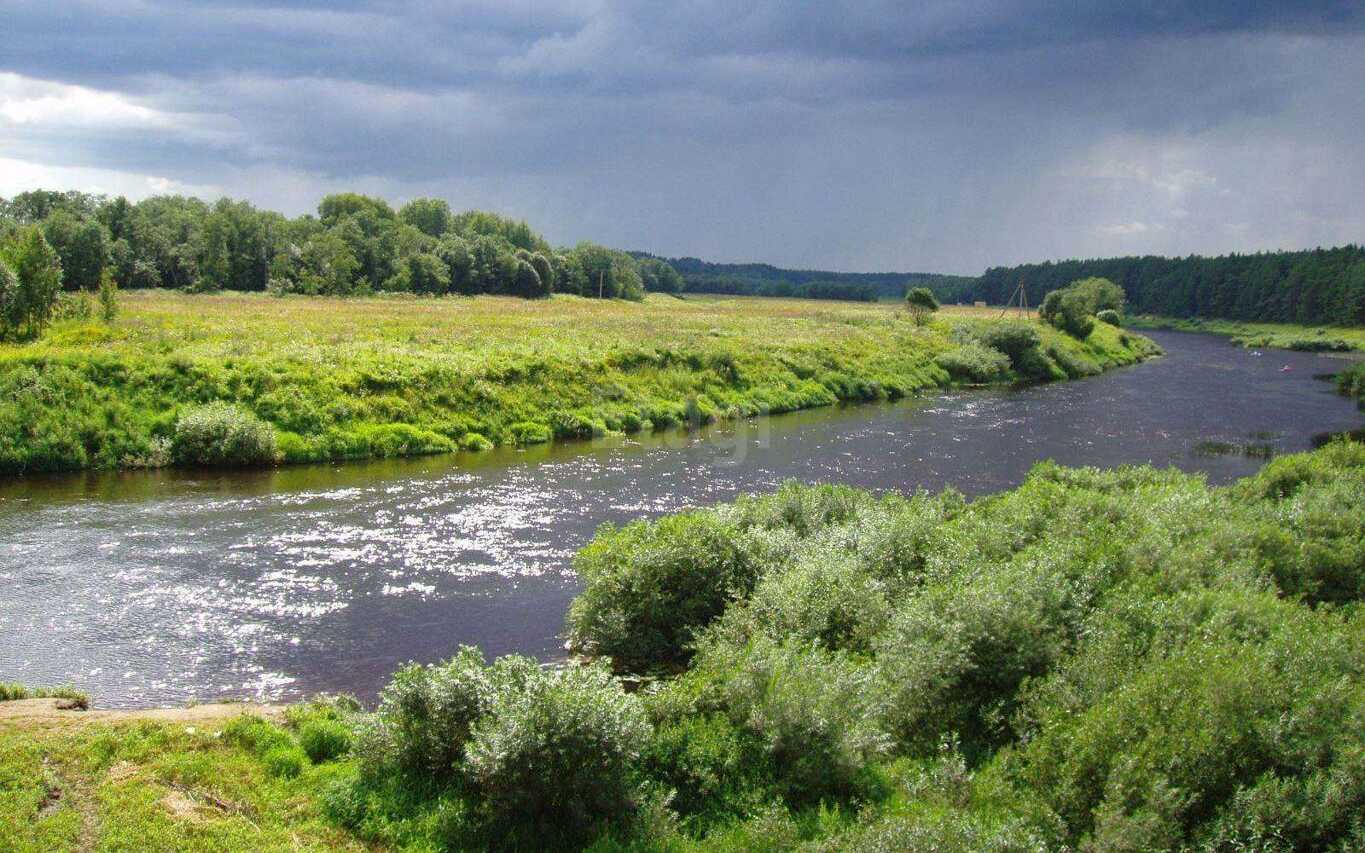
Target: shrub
<point x="649" y="586"/>
<point x="108" y="294"/>
<point x="324" y="740"/>
<point x="974" y="363"/>
<point x="1222" y="741"/>
<point x="715" y="769"/>
<point x="1110" y="316"/>
<point x="285" y="761"/>
<point x="529" y="432"/>
<point x="1100" y="294"/>
<point x="954" y="656"/>
<point x="1351" y="382"/>
<point x="555" y="755"/>
<point x="826" y="597"/>
<point x="220" y="433"/>
<point x="810" y="709"/>
<point x="922" y="304"/>
<point x="1014" y="338"/>
<point x="1069" y="311"/>
<point x="424" y="719"/>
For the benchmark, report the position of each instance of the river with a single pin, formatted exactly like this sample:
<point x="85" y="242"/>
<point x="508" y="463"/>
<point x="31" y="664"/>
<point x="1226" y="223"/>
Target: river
<point x="153" y="588"/>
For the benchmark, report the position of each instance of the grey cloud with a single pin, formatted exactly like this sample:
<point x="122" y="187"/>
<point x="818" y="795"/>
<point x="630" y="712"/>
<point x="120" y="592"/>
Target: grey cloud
<point x="860" y="135"/>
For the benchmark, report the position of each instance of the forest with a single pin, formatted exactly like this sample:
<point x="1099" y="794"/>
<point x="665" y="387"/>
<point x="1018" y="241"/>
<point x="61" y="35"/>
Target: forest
<point x="1315" y="287"/>
<point x="355" y="245"/>
<point x="700" y="276"/>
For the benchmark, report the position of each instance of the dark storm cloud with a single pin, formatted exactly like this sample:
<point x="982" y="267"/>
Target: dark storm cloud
<point x="862" y="135"/>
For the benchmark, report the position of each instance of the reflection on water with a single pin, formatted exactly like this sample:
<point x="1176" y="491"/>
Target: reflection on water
<point x="152" y="588"/>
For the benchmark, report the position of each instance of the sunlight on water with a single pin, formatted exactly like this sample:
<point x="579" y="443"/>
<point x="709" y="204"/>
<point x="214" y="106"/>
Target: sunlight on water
<point x="156" y="588"/>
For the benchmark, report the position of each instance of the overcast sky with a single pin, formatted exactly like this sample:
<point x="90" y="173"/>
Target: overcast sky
<point x="929" y="136"/>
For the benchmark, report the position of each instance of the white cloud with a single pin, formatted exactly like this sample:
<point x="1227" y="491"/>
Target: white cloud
<point x="30" y="102"/>
<point x="18" y="176"/>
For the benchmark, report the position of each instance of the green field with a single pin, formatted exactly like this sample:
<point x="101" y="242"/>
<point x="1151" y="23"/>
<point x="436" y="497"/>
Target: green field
<point x="312" y="379"/>
<point x="1096" y="660"/>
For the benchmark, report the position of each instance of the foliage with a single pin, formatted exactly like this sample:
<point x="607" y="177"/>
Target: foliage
<point x="425" y="717"/>
<point x="1125" y="658"/>
<point x="220" y="433"/>
<point x="108" y="293"/>
<point x="10" y="691"/>
<point x="531" y="753"/>
<point x="974" y="363"/>
<point x="1318" y="286"/>
<point x="1351" y="382"/>
<point x="1110" y="316"/>
<point x="356" y="245"/>
<point x="922" y="304"/>
<point x="30" y="280"/>
<point x="555" y="754"/>
<point x="1070" y="309"/>
<point x="650" y="585"/>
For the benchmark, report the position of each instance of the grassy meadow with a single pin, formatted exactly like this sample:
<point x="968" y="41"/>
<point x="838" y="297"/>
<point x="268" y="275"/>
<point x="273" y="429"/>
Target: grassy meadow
<point x="1095" y="660"/>
<point x="310" y="379"/>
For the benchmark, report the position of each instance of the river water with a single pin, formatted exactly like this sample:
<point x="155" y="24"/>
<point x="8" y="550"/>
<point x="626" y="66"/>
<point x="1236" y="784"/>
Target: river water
<point x="156" y="588"/>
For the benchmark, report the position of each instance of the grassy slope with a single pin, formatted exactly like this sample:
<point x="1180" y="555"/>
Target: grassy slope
<point x="1280" y="335"/>
<point x="71" y="783"/>
<point x="383" y="377"/>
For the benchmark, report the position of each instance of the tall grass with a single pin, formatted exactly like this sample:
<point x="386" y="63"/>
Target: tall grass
<point x="354" y="378"/>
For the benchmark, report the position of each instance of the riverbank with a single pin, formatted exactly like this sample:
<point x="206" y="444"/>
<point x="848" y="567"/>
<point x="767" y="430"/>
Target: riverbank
<point x="313" y="379"/>
<point x="1263" y="335"/>
<point x="1033" y="670"/>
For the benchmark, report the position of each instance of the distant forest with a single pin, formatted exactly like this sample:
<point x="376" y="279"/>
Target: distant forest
<point x="766" y="280"/>
<point x="1315" y="287"/>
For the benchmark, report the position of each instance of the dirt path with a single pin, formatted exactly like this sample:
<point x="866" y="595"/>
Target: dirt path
<point x="46" y="711"/>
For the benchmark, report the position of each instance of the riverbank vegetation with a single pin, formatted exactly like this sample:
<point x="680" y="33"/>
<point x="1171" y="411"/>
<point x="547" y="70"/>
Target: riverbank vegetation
<point x="1319" y="287"/>
<point x="235" y="378"/>
<point x="1291" y="336"/>
<point x="1122" y="659"/>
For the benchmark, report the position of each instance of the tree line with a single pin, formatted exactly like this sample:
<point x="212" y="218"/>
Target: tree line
<point x="737" y="286"/>
<point x="355" y="244"/>
<point x="1314" y="287"/>
<point x="753" y="279"/>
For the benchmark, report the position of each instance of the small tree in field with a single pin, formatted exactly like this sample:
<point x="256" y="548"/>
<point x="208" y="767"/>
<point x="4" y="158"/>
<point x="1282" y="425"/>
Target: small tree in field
<point x="922" y="304"/>
<point x="108" y="297"/>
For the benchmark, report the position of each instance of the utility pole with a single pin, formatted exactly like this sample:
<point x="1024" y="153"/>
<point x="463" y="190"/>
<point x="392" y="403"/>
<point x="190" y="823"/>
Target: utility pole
<point x="1022" y="294"/>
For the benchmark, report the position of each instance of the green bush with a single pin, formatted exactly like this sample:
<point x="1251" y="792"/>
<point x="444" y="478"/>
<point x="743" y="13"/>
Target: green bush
<point x="556" y="754"/>
<point x="424" y="719"/>
<point x="255" y="734"/>
<point x="324" y="740"/>
<point x="715" y="770"/>
<point x="648" y="587"/>
<point x="1216" y="745"/>
<point x="285" y="761"/>
<point x="1019" y="341"/>
<point x="953" y="658"/>
<point x="1069" y="311"/>
<point x="1110" y="316"/>
<point x="974" y="363"/>
<point x="811" y="710"/>
<point x="220" y="433"/>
